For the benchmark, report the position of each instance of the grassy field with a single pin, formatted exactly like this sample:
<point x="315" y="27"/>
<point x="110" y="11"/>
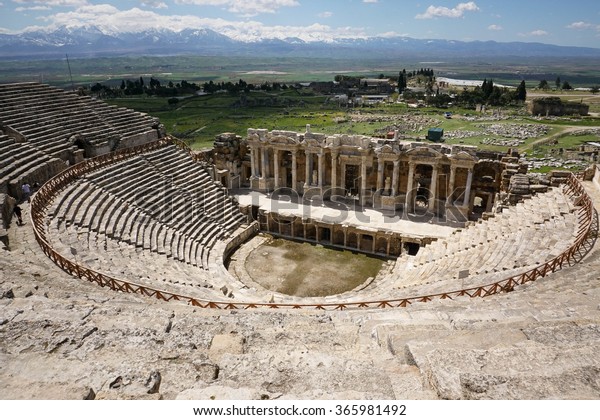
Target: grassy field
<point x="584" y="73"/>
<point x="304" y="269"/>
<point x="198" y="119"/>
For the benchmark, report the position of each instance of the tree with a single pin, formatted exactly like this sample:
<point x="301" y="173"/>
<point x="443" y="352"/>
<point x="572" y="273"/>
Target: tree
<point x="557" y="83"/>
<point x="402" y="81"/>
<point x="521" y="91"/>
<point x="566" y="86"/>
<point x="544" y="85"/>
<point x="595" y="89"/>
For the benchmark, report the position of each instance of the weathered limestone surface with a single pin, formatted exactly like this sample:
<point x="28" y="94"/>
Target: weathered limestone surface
<point x="62" y="338"/>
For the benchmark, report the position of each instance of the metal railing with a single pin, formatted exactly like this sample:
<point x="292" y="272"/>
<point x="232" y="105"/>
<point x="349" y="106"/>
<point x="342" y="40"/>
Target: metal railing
<point x="46" y="194"/>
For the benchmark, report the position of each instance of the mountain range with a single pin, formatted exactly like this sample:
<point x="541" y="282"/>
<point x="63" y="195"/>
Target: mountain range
<point x="93" y="41"/>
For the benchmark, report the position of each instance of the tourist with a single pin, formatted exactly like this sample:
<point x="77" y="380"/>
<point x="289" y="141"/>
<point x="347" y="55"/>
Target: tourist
<point x="26" y="189"/>
<point x="17" y="212"/>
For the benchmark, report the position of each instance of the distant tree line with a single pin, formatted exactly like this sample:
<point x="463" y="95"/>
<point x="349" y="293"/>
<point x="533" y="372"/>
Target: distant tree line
<point x="487" y="93"/>
<point x="242" y="86"/>
<point x="155" y="88"/>
<point x="490" y="94"/>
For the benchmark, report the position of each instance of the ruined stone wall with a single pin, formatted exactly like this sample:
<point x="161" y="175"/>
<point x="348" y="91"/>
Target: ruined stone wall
<point x="138" y="139"/>
<point x="7" y="203"/>
<point x="228" y="152"/>
<point x="556" y="107"/>
<point x="40" y="174"/>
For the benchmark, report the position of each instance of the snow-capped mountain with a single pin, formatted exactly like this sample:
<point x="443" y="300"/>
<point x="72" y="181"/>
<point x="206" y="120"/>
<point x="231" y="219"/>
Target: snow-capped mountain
<point x="91" y="40"/>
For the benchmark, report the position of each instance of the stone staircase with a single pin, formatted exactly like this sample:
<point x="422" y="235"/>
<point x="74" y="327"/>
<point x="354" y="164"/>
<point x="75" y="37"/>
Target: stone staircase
<point x="520" y="238"/>
<point x="61" y="337"/>
<point x="48" y="118"/>
<point x="21" y="162"/>
<point x="159" y="209"/>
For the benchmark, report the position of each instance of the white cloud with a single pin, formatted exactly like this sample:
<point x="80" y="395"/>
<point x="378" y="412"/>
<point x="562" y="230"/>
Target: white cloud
<point x="112" y="20"/>
<point x="495" y="28"/>
<point x="53" y="3"/>
<point x="537" y="32"/>
<point x="583" y="25"/>
<point x="441" y="11"/>
<point x="34" y="8"/>
<point x="244" y="7"/>
<point x="371" y="1"/>
<point x="325" y="14"/>
<point x="155" y="4"/>
<point x="392" y="34"/>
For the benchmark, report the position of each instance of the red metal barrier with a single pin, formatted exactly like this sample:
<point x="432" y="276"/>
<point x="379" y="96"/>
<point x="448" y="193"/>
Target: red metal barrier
<point x="48" y="191"/>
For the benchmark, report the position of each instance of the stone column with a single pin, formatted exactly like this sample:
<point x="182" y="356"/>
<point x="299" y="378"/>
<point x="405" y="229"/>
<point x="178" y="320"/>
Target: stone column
<point x="363" y="180"/>
<point x="308" y="169"/>
<point x="276" y="167"/>
<point x="257" y="159"/>
<point x="468" y="188"/>
<point x="334" y="156"/>
<point x="343" y="178"/>
<point x="321" y="169"/>
<point x="265" y="163"/>
<point x="433" y="186"/>
<point x="409" y="185"/>
<point x="380" y="163"/>
<point x="294" y="171"/>
<point x="252" y="162"/>
<point x="449" y="199"/>
<point x="395" y="175"/>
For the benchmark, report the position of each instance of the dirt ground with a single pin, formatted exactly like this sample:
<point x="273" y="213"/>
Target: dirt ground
<point x="304" y="270"/>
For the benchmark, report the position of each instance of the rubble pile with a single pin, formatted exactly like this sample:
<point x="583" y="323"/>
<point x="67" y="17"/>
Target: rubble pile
<point x="517" y="131"/>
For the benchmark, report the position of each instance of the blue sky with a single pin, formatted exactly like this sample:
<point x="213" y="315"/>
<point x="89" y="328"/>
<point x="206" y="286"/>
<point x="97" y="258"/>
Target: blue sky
<point x="575" y="22"/>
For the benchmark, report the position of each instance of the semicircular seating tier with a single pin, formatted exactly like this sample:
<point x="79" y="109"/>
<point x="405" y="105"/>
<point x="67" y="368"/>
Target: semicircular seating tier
<point x="153" y="219"/>
<point x="44" y="129"/>
<point x="158" y="219"/>
<point x="516" y="240"/>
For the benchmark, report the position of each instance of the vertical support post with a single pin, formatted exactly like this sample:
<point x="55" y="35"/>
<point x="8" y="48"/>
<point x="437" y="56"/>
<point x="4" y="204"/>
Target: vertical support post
<point x="294" y="171"/>
<point x="409" y="184"/>
<point x="468" y="188"/>
<point x="276" y="167"/>
<point x="363" y="181"/>
<point x="308" y="169"/>
<point x="265" y="163"/>
<point x="252" y="163"/>
<point x="379" y="174"/>
<point x="321" y="169"/>
<point x="449" y="199"/>
<point x="395" y="175"/>
<point x="433" y="186"/>
<point x="334" y="156"/>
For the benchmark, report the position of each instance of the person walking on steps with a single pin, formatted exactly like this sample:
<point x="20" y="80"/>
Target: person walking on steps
<point x="26" y="188"/>
<point x="17" y="212"/>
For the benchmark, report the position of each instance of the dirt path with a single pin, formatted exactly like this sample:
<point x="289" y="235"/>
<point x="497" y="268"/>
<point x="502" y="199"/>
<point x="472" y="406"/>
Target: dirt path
<point x="566" y="130"/>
